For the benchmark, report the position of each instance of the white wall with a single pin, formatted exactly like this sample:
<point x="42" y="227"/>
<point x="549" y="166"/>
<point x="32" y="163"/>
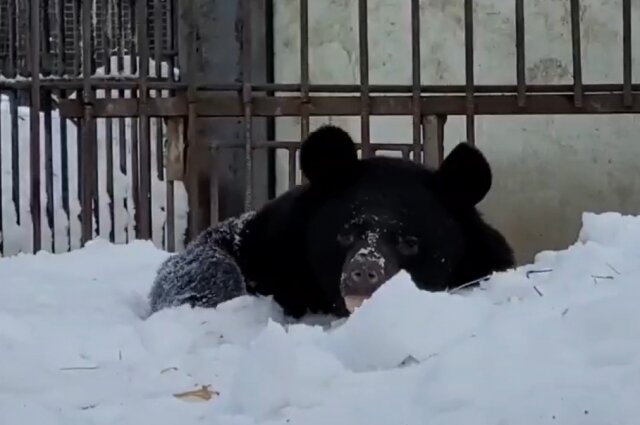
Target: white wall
<point x="548" y="169"/>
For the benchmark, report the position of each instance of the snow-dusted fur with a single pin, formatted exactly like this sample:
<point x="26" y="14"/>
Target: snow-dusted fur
<point x="206" y="273"/>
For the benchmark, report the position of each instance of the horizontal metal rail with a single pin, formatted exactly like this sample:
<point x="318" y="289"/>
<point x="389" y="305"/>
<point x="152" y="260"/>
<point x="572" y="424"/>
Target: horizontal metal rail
<point x="232" y="106"/>
<point x="163" y="84"/>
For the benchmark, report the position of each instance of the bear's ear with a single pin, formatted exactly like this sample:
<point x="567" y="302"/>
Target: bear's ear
<point x="328" y="155"/>
<point x="464" y="178"/>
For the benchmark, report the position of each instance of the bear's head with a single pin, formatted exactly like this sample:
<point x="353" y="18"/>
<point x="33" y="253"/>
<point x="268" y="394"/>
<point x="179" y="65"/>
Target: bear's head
<point x="375" y="216"/>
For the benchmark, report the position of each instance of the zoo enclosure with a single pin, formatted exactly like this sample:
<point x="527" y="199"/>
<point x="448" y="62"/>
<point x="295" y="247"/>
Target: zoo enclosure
<point x="176" y="104"/>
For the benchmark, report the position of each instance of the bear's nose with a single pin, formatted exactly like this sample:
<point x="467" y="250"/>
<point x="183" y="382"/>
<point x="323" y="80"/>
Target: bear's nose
<point x="369" y="274"/>
<point x="364" y="276"/>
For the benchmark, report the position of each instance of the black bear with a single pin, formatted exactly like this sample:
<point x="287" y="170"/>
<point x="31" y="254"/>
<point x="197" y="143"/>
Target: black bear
<point x="343" y="234"/>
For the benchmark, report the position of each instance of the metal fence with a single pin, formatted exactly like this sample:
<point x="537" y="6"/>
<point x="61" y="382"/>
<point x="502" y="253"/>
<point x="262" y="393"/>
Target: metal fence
<point x="173" y="105"/>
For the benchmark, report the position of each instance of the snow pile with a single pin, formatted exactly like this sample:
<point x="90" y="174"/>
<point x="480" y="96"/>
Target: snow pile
<point x="557" y="341"/>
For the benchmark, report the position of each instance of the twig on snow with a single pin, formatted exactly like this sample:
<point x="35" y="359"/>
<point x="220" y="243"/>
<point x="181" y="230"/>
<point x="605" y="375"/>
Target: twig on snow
<point x="80" y="368"/>
<point x="530" y="272"/>
<point x="596" y="277"/>
<point x="537" y="290"/>
<point x="613" y="268"/>
<point x="464" y="285"/>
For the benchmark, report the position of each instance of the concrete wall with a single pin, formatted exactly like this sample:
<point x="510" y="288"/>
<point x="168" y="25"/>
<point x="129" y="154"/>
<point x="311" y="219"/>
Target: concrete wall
<point x="548" y="169"/>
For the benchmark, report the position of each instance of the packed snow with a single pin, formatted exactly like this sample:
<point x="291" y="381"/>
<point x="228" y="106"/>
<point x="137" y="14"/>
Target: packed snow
<point x="557" y="341"/>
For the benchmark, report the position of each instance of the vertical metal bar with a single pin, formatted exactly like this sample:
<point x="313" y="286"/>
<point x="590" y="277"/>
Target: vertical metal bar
<point x="34" y="118"/>
<point x="520" y="54"/>
<point x="76" y="36"/>
<point x="363" y="30"/>
<point x="576" y="50"/>
<point x="171" y="210"/>
<point x="626" y="53"/>
<point x="120" y="42"/>
<point x="108" y="143"/>
<point x="61" y="38"/>
<point x="214" y="195"/>
<point x="292" y="167"/>
<point x="145" y="151"/>
<point x="46" y="38"/>
<point x="12" y="20"/>
<point x="12" y="67"/>
<point x="48" y="164"/>
<point x="135" y="125"/>
<point x="88" y="128"/>
<point x="415" y="74"/>
<point x="196" y="224"/>
<point x="433" y="127"/>
<point x="246" y="50"/>
<point x="64" y="160"/>
<point x="157" y="57"/>
<point x="48" y="168"/>
<point x="120" y="67"/>
<point x="304" y="68"/>
<point x="468" y="50"/>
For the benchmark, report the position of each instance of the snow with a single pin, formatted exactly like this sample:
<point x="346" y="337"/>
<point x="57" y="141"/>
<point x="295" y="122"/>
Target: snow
<point x="557" y="341"/>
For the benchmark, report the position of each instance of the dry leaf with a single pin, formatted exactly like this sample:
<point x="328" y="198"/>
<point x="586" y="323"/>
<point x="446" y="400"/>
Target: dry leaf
<point x="204" y="393"/>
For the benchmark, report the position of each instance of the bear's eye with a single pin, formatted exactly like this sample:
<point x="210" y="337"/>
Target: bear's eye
<point x="346" y="239"/>
<point x="408" y="245"/>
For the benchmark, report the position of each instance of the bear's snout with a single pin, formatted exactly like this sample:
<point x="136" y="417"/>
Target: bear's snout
<point x="362" y="276"/>
<point x="363" y="272"/>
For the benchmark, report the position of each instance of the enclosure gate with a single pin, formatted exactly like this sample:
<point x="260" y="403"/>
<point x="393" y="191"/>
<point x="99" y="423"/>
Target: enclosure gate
<point x="182" y="102"/>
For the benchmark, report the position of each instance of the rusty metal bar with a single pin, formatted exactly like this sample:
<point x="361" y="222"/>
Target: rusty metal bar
<point x="12" y="19"/>
<point x="304" y="67"/>
<point x="135" y="126"/>
<point x="48" y="167"/>
<point x="171" y="207"/>
<point x="626" y="52"/>
<point x="292" y="166"/>
<point x="195" y="225"/>
<point x="108" y="141"/>
<point x="365" y="108"/>
<point x="231" y="106"/>
<point x="520" y="53"/>
<point x="76" y="71"/>
<point x="12" y="67"/>
<point x="214" y="192"/>
<point x="76" y="36"/>
<point x="126" y="83"/>
<point x="294" y="145"/>
<point x="88" y="142"/>
<point x="157" y="58"/>
<point x="122" y="136"/>
<point x="61" y="39"/>
<point x="433" y="127"/>
<point x="468" y="60"/>
<point x="49" y="67"/>
<point x="247" y="98"/>
<point x="62" y="122"/>
<point x="415" y="76"/>
<point x="576" y="52"/>
<point x="145" y="151"/>
<point x="34" y="119"/>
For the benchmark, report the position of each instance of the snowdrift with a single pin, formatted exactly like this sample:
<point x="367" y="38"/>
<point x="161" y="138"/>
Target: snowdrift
<point x="557" y="341"/>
